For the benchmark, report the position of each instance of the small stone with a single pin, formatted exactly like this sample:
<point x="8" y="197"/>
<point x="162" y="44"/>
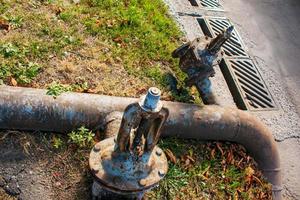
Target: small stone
<point x="58" y="184"/>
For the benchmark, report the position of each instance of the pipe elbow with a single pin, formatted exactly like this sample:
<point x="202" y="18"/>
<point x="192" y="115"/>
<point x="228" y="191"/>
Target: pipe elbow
<point x="226" y="124"/>
<point x="259" y="141"/>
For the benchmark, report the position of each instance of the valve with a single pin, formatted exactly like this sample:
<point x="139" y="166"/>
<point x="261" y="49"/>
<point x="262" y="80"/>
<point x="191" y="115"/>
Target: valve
<point x="127" y="166"/>
<point x="197" y="60"/>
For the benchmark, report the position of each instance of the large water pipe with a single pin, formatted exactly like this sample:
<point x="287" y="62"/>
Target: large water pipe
<point x="32" y="109"/>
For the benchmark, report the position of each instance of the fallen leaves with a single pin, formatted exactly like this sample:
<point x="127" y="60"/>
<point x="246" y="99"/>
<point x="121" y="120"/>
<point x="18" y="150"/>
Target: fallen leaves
<point x="13" y="82"/>
<point x="4" y="25"/>
<point x="170" y="156"/>
<point x="56" y="9"/>
<point x="216" y="170"/>
<point x="111" y="23"/>
<point x="249" y="172"/>
<point x="229" y="157"/>
<point x="187" y="161"/>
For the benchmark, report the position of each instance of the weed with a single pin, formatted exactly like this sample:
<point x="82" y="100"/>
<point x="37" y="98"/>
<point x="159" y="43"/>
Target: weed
<point x="9" y="50"/>
<point x="3" y="6"/>
<point x="57" y="142"/>
<point x="4" y="71"/>
<point x="83" y="86"/>
<point x="25" y="72"/>
<point x="55" y="89"/>
<point x="14" y="21"/>
<point x="82" y="137"/>
<point x="22" y="72"/>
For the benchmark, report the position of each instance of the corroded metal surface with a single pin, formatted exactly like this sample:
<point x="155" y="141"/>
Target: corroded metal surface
<point x="31" y="109"/>
<point x="122" y="172"/>
<point x="132" y="163"/>
<point x="147" y="125"/>
<point x="197" y="59"/>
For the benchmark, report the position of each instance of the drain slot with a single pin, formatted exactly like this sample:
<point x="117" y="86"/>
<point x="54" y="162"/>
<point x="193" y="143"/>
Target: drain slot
<point x="204" y="27"/>
<point x="246" y="85"/>
<point x="211" y="5"/>
<point x="193" y="2"/>
<point x="212" y="26"/>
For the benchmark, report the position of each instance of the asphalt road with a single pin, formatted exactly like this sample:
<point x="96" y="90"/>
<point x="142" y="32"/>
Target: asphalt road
<point x="271" y="30"/>
<point x="279" y="22"/>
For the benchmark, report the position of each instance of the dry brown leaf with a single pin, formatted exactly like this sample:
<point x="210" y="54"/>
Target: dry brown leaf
<point x="220" y="148"/>
<point x="99" y="22"/>
<point x="110" y="23"/>
<point x="257" y="179"/>
<point x="170" y="156"/>
<point x="4" y="25"/>
<point x="13" y="82"/>
<point x="57" y="10"/>
<point x="187" y="161"/>
<point x="249" y="172"/>
<point x="91" y="90"/>
<point x="236" y="196"/>
<point x="117" y="40"/>
<point x="239" y="163"/>
<point x="141" y="91"/>
<point x="212" y="153"/>
<point x="229" y="157"/>
<point x="190" y="158"/>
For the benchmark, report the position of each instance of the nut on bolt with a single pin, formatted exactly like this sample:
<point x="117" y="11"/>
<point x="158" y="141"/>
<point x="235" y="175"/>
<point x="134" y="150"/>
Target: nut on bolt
<point x="97" y="148"/>
<point x="143" y="182"/>
<point x="158" y="152"/>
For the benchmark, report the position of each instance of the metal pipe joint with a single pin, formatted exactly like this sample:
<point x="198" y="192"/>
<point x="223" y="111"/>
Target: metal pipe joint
<point x="131" y="164"/>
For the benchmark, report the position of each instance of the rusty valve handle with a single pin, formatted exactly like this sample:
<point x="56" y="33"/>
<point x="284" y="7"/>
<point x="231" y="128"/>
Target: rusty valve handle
<point x="215" y="45"/>
<point x="145" y="120"/>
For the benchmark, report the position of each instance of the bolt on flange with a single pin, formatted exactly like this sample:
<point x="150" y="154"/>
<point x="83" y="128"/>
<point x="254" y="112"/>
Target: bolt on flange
<point x="131" y="163"/>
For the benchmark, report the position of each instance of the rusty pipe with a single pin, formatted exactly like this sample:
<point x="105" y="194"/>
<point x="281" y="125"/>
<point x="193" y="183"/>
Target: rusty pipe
<point x="32" y="109"/>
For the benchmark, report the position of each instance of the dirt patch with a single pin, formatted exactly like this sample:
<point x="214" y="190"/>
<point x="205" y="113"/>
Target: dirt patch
<point x="30" y="168"/>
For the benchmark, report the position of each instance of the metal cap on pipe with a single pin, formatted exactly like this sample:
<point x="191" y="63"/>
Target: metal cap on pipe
<point x="151" y="102"/>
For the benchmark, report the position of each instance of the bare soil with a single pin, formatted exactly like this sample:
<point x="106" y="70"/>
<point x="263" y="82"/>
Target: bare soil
<point x="30" y="168"/>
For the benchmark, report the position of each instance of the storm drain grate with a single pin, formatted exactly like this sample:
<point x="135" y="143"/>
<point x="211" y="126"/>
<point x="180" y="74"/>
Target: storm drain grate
<point x="246" y="85"/>
<point x="207" y="4"/>
<point x="212" y="26"/>
<point x="211" y="4"/>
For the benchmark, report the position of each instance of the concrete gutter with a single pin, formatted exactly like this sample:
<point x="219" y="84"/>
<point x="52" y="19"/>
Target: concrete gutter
<point x="32" y="109"/>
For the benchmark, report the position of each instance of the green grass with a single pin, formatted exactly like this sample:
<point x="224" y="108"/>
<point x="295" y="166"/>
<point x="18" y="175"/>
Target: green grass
<point x="55" y="89"/>
<point x="117" y="47"/>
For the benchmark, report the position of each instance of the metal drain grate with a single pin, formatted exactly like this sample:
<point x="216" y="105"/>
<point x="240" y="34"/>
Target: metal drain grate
<point x="212" y="26"/>
<point x="211" y="5"/>
<point x="246" y="85"/>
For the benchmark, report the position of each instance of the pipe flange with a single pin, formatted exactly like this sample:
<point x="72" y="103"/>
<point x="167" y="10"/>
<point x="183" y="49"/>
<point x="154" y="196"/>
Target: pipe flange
<point x="123" y="172"/>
